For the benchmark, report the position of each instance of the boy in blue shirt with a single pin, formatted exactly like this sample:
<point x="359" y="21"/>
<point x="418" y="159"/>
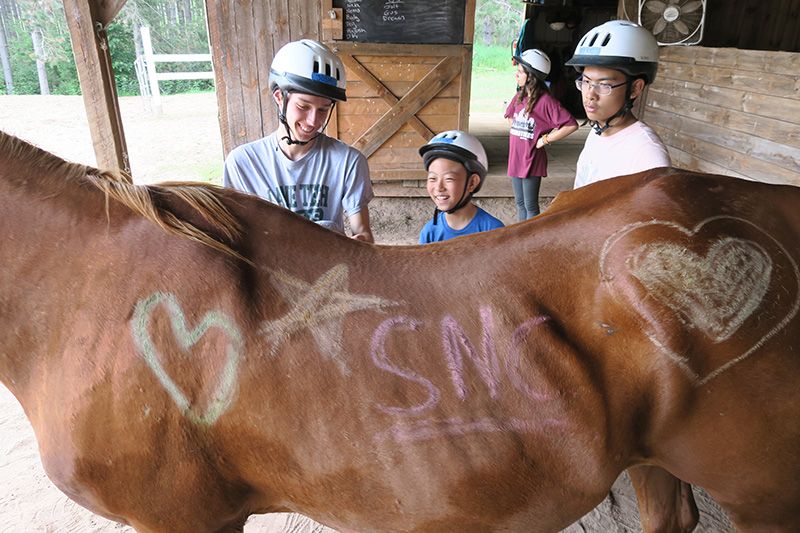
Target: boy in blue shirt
<point x="456" y="163"/>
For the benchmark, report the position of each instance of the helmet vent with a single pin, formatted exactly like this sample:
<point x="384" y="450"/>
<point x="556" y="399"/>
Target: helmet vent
<point x="594" y="38"/>
<point x="316" y="66"/>
<point x="605" y="41"/>
<point x="327" y="69"/>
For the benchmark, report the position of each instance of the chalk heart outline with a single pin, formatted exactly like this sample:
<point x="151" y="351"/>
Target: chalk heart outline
<point x="224" y="391"/>
<point x="716" y="249"/>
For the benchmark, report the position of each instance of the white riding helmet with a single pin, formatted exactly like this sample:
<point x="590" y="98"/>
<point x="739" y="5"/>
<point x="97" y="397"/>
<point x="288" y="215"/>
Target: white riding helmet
<point x="620" y="45"/>
<point x="310" y="67"/>
<point x="457" y="146"/>
<point x="536" y="61"/>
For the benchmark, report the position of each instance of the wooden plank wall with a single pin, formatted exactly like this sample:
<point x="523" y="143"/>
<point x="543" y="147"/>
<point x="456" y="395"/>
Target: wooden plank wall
<point x="244" y="36"/>
<point x="729" y="111"/>
<point x="744" y="24"/>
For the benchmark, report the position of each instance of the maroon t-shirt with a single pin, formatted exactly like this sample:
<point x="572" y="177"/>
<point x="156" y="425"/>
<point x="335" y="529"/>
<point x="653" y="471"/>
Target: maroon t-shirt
<point x="524" y="159"/>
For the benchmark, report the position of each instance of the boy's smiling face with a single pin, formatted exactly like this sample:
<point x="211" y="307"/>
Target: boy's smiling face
<point x="446" y="181"/>
<point x="306" y="114"/>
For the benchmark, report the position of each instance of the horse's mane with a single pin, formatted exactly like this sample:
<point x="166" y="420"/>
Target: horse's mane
<point x="205" y="199"/>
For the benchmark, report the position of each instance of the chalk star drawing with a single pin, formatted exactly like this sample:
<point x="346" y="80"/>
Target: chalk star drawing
<point x="319" y="307"/>
<point x="225" y="389"/>
<point x="714" y="294"/>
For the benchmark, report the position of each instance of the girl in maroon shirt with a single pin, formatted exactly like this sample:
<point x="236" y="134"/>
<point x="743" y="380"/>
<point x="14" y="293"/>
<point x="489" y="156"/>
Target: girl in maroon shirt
<point x="537" y="119"/>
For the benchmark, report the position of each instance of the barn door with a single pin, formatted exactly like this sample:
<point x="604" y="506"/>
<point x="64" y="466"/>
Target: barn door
<point x="398" y="97"/>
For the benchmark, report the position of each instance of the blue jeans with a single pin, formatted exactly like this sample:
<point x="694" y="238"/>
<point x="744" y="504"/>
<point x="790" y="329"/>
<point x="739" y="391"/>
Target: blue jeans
<point x="526" y="194"/>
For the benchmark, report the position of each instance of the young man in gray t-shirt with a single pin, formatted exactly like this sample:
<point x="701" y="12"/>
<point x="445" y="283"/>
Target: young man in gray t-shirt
<point x="298" y="166"/>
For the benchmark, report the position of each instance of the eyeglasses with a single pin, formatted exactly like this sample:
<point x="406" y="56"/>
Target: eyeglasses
<point x="603" y="89"/>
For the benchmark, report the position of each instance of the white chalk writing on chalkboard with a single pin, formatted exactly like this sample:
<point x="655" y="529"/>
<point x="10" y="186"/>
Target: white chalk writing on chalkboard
<point x="393" y="11"/>
<point x="404" y="21"/>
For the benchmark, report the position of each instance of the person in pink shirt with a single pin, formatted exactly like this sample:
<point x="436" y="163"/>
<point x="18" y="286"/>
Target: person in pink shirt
<point x="537" y="119"/>
<point x="616" y="60"/>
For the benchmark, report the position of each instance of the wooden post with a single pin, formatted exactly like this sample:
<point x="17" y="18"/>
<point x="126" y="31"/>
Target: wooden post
<point x="150" y="67"/>
<point x="93" y="61"/>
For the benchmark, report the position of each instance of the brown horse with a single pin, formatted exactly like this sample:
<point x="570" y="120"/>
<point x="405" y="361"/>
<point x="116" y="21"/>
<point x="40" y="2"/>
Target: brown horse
<point x="497" y="382"/>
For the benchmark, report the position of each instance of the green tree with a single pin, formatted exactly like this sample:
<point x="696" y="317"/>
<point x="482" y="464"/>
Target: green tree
<point x="177" y="26"/>
<point x="44" y="18"/>
<point x="497" y="22"/>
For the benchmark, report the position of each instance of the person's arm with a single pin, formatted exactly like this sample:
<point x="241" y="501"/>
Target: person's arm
<point x="556" y="134"/>
<point x="556" y="115"/>
<point x="509" y="113"/>
<point x="359" y="223"/>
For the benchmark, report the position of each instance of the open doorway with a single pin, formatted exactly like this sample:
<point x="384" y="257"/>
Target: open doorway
<point x="166" y="91"/>
<point x="553" y="26"/>
<point x="497" y="24"/>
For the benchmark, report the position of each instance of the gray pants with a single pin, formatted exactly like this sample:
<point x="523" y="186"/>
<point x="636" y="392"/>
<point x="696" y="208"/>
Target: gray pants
<point x="526" y="194"/>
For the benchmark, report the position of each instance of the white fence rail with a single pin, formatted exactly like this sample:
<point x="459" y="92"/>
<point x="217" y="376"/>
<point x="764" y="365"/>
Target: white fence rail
<point x="149" y="77"/>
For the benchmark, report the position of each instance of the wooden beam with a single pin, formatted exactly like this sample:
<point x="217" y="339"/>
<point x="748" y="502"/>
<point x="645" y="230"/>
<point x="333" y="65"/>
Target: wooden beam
<point x="356" y="48"/>
<point x="409" y="105"/>
<point x="466" y="85"/>
<point x="93" y="62"/>
<point x="469" y="23"/>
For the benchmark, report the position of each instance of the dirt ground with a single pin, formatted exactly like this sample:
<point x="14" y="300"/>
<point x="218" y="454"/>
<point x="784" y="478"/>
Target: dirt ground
<point x="184" y="144"/>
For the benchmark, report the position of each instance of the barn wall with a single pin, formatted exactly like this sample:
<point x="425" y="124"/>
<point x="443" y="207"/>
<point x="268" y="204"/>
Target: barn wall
<point x="244" y="36"/>
<point x="745" y="24"/>
<point x="753" y="24"/>
<point x="729" y="111"/>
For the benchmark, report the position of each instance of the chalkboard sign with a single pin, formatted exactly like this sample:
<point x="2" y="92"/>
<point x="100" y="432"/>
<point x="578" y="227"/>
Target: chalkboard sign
<point x="404" y="21"/>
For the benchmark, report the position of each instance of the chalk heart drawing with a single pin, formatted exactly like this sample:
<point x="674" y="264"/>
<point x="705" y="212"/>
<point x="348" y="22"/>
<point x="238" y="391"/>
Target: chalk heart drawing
<point x="225" y="388"/>
<point x="714" y="293"/>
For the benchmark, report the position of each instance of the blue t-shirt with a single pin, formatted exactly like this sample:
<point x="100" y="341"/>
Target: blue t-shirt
<point x="482" y="221"/>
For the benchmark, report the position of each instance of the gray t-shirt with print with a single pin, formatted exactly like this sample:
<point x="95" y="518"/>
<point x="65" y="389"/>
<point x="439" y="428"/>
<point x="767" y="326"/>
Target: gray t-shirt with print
<point x="331" y="180"/>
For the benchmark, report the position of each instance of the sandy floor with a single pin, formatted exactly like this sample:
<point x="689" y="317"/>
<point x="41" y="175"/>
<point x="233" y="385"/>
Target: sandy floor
<point x="183" y="143"/>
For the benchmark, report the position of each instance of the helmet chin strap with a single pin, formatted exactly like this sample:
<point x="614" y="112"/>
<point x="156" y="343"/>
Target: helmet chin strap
<point x="626" y="107"/>
<point x="282" y="119"/>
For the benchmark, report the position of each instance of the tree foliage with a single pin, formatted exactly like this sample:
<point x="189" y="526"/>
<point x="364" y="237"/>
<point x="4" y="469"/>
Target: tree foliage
<point x="176" y="27"/>
<point x="19" y="19"/>
<point x="497" y="22"/>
